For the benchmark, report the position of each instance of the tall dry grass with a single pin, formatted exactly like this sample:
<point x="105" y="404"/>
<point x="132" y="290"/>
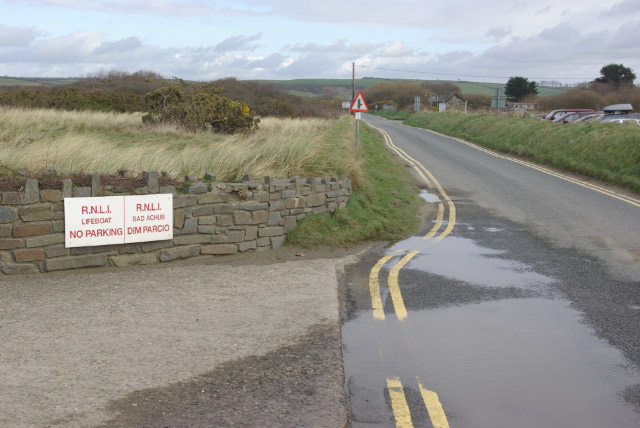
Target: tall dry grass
<point x="84" y="142"/>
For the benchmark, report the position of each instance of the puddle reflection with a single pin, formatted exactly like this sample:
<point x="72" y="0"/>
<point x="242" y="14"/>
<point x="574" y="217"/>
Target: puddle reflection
<point x="464" y="260"/>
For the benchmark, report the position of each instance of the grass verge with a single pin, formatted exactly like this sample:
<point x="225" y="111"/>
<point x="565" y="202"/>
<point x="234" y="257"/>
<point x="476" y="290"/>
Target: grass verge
<point x="95" y="142"/>
<point x="383" y="207"/>
<point x="393" y="115"/>
<point x="606" y="151"/>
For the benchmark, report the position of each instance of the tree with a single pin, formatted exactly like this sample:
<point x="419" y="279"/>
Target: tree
<point x="519" y="87"/>
<point x="616" y="74"/>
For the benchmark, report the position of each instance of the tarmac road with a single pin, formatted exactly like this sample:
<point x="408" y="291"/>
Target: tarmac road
<point x="519" y="305"/>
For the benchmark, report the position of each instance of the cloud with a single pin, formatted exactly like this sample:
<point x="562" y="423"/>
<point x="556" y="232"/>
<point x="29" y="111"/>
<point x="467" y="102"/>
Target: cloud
<point x="499" y="32"/>
<point x="16" y="36"/>
<point x="156" y="7"/>
<point x="623" y="9"/>
<point x="237" y="43"/>
<point x="121" y="46"/>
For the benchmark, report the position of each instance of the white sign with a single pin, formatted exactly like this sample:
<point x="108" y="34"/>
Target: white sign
<point x="117" y="220"/>
<point x="358" y="115"/>
<point x="346" y="104"/>
<point x="359" y="104"/>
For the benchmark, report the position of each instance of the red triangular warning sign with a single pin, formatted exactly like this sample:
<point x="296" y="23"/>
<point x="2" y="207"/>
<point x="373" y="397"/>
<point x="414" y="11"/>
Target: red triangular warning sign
<point x="359" y="104"/>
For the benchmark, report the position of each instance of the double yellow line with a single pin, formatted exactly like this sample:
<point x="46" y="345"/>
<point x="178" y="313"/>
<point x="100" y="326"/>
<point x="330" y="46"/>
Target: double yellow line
<point x="401" y="412"/>
<point x="399" y="404"/>
<point x="394" y="287"/>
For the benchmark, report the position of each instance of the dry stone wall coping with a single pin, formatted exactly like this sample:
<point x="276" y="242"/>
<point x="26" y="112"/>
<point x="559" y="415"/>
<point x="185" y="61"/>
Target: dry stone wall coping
<point x="210" y="219"/>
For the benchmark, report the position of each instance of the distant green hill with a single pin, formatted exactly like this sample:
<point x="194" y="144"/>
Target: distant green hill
<point x="35" y="81"/>
<point x="342" y="87"/>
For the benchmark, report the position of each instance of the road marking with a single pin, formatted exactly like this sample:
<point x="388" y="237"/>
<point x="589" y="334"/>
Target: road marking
<point x="399" y="405"/>
<point x="436" y="226"/>
<point x="394" y="287"/>
<point x="434" y="408"/>
<point x="419" y="168"/>
<point x="374" y="288"/>
<point x="611" y="193"/>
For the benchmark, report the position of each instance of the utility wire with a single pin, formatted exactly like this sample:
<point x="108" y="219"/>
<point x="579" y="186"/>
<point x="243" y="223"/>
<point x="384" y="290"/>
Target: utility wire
<point x="470" y="75"/>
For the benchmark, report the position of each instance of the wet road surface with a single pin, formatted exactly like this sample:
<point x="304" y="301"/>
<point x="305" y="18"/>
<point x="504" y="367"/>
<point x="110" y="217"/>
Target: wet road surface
<point x="497" y="323"/>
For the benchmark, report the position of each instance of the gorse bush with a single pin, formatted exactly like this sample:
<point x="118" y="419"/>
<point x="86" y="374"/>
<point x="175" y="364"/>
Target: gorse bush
<point x="198" y="108"/>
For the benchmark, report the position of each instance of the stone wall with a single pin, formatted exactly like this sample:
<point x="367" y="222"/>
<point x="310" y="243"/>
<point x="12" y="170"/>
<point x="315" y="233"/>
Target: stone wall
<point x="209" y="219"/>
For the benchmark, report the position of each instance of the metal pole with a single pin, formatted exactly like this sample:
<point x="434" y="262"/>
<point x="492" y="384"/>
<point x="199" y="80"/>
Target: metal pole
<point x="353" y="81"/>
<point x="357" y="132"/>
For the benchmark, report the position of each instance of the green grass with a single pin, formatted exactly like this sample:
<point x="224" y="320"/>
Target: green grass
<point x="606" y="151"/>
<point x="384" y="206"/>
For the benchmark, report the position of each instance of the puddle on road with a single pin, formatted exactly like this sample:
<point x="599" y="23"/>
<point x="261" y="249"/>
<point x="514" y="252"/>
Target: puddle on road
<point x="462" y="259"/>
<point x="501" y="364"/>
<point x="429" y="197"/>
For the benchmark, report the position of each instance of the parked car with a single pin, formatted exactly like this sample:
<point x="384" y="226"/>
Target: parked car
<point x="620" y="118"/>
<point x="572" y="117"/>
<point x="618" y="109"/>
<point x="557" y="113"/>
<point x="595" y="117"/>
<point x="623" y="120"/>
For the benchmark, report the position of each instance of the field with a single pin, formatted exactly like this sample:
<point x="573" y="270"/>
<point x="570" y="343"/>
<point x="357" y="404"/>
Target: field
<point x="95" y="142"/>
<point x="342" y="87"/>
<point x="606" y="151"/>
<point x="35" y="82"/>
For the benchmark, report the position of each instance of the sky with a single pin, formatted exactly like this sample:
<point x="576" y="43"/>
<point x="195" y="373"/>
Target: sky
<point x="567" y="41"/>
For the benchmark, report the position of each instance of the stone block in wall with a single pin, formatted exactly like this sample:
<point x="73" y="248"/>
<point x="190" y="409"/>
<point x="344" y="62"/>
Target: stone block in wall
<point x="8" y="215"/>
<point x="234" y="236"/>
<point x="320" y="210"/>
<point x="50" y="195"/>
<point x="241" y="217"/>
<point x="305" y="192"/>
<point x="178" y="219"/>
<point x="225" y="220"/>
<point x="213" y="198"/>
<point x="75" y="262"/>
<point x="209" y="176"/>
<point x="182" y="201"/>
<point x="277" y="205"/>
<point x="192" y="239"/>
<point x="179" y="253"/>
<point x="41" y="241"/>
<point x="336" y="193"/>
<point x="261" y="196"/>
<point x="334" y="186"/>
<point x="270" y="231"/>
<point x="290" y="223"/>
<point x="128" y="248"/>
<point x="151" y="179"/>
<point x="300" y="216"/>
<point x="209" y="229"/>
<point x="332" y="207"/>
<point x="296" y="211"/>
<point x="247" y="245"/>
<point x="197" y="188"/>
<point x="253" y="206"/>
<point x="220" y="249"/>
<point x="31" y="229"/>
<point x="12" y="198"/>
<point x="275" y="197"/>
<point x="274" y="219"/>
<point x="81" y="192"/>
<point x="11" y="243"/>
<point x="5" y="230"/>
<point x="56" y="251"/>
<point x="251" y="233"/>
<point x="67" y="188"/>
<point x="263" y="242"/>
<point x="19" y="269"/>
<point x="259" y="217"/>
<point x="28" y="255"/>
<point x="224" y="208"/>
<point x="77" y="251"/>
<point x="96" y="187"/>
<point x="278" y="241"/>
<point x="133" y="259"/>
<point x="288" y="194"/>
<point x="202" y="210"/>
<point x="190" y="226"/>
<point x="156" y="245"/>
<point x="31" y="191"/>
<point x="144" y="190"/>
<point x="208" y="219"/>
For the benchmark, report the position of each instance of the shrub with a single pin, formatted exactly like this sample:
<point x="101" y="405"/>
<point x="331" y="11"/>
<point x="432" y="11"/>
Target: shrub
<point x="198" y="108"/>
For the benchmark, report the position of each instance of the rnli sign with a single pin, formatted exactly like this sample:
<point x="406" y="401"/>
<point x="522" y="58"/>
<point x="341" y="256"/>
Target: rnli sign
<point x="117" y="220"/>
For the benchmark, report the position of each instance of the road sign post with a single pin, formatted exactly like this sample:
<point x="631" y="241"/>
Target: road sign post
<point x="358" y="107"/>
